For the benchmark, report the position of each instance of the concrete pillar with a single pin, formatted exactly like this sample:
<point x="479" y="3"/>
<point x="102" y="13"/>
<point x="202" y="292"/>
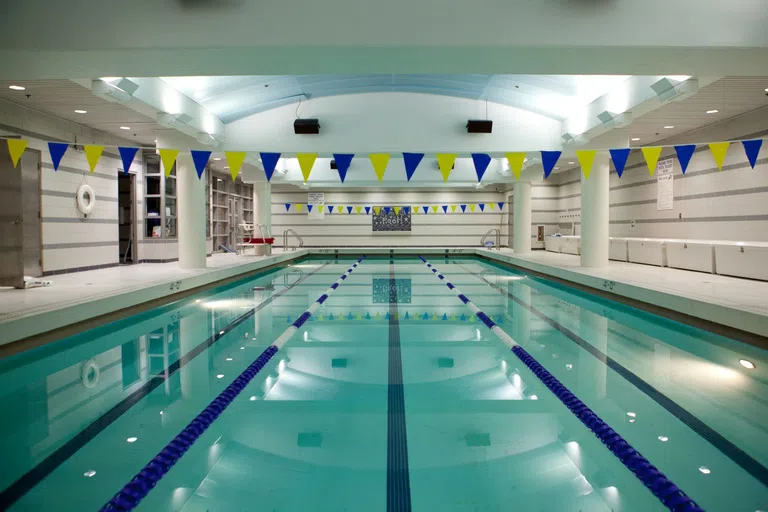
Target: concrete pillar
<point x="262" y="207"/>
<point x="195" y="385"/>
<point x="521" y="242"/>
<point x="521" y="317"/>
<point x="190" y="200"/>
<point x="594" y="213"/>
<point x="593" y="374"/>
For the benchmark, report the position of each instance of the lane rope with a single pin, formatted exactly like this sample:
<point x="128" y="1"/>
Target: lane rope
<point x="129" y="497"/>
<point x="663" y="488"/>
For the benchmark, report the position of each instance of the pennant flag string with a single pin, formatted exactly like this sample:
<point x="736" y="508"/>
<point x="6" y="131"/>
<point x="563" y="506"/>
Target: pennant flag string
<point x="127" y="155"/>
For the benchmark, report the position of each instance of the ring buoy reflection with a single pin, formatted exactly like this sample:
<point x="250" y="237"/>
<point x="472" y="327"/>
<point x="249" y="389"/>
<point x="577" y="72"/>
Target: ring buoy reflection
<point x="90" y="375"/>
<point x="86" y="199"/>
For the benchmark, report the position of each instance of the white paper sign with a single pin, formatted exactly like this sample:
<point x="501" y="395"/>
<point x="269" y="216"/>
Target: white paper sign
<point x="665" y="185"/>
<point x="317" y="201"/>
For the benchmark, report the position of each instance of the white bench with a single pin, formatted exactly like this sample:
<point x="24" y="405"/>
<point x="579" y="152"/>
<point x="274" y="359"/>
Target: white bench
<point x="742" y="259"/>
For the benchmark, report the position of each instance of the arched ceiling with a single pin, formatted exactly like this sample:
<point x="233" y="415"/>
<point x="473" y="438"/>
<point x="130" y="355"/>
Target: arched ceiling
<point x="235" y="97"/>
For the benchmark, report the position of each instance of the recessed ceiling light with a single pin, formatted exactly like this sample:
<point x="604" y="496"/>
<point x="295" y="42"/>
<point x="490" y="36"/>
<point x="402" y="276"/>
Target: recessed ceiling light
<point x="155" y="141"/>
<point x="663" y="439"/>
<point x="220" y="376"/>
<point x="557" y="168"/>
<point x="217" y="158"/>
<point x="89" y="473"/>
<point x="229" y="359"/>
<point x="713" y="111"/>
<point x="18" y="88"/>
<point x="631" y="414"/>
<point x="669" y="127"/>
<point x="747" y="364"/>
<point x="533" y="397"/>
<point x="635" y="139"/>
<point x="705" y="470"/>
<point x="571" y="163"/>
<point x="125" y="127"/>
<point x="78" y="111"/>
<point x="131" y="439"/>
<point x="766" y="89"/>
<point x="252" y="399"/>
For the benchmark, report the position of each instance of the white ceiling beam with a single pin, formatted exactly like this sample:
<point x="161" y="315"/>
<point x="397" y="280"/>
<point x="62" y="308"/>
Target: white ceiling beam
<point x="160" y="101"/>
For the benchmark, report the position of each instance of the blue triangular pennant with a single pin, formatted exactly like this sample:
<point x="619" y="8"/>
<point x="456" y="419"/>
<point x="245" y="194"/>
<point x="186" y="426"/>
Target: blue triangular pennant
<point x="287" y="206"/>
<point x="200" y="159"/>
<point x="309" y="207"/>
<point x="548" y="161"/>
<point x="445" y="208"/>
<point x="330" y="210"/>
<point x="386" y="317"/>
<point x="501" y="205"/>
<point x="752" y="149"/>
<point x="288" y="320"/>
<point x="57" y="150"/>
<point x="367" y="316"/>
<point x="342" y="164"/>
<point x="386" y="210"/>
<point x="406" y="315"/>
<point x="269" y="161"/>
<point x="367" y="210"/>
<point x="463" y="208"/>
<point x="684" y="154"/>
<point x="349" y="316"/>
<point x="425" y="208"/>
<point x="349" y="209"/>
<point x="481" y="161"/>
<point x="330" y="316"/>
<point x="411" y="161"/>
<point x="619" y="157"/>
<point x="445" y="316"/>
<point x="482" y="206"/>
<point x="127" y="155"/>
<point x="426" y="316"/>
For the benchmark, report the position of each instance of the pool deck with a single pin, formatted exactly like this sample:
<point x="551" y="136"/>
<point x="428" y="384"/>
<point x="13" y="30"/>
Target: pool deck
<point x="738" y="303"/>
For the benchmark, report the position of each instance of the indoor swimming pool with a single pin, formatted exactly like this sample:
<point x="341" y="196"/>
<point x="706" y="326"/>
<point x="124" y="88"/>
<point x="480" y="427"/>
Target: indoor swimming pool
<point x="392" y="396"/>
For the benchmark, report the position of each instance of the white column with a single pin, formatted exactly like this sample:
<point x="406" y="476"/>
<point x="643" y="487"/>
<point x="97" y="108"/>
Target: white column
<point x="594" y="213"/>
<point x="262" y="199"/>
<point x="522" y="224"/>
<point x="190" y="200"/>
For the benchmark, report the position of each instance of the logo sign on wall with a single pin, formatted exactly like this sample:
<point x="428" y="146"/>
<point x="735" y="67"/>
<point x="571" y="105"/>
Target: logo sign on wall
<point x="316" y="205"/>
<point x="665" y="185"/>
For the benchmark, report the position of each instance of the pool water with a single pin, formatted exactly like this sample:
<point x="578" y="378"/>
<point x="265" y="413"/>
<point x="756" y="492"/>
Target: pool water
<point x="393" y="396"/>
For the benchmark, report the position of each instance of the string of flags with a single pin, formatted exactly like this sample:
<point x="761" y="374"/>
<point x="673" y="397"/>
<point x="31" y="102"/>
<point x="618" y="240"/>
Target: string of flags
<point x="415" y="209"/>
<point x="416" y="316"/>
<point x="380" y="161"/>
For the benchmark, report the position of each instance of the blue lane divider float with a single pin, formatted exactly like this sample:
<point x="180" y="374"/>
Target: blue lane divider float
<point x="664" y="489"/>
<point x="145" y="480"/>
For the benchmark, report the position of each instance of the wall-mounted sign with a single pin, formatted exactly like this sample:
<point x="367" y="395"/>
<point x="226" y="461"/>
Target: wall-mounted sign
<point x="317" y="202"/>
<point x="665" y="185"/>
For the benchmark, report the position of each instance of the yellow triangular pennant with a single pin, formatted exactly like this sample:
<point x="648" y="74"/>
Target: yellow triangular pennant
<point x="397" y="210"/>
<point x="92" y="154"/>
<point x="651" y="156"/>
<point x="472" y="207"/>
<point x="453" y="208"/>
<point x="434" y="209"/>
<point x="340" y="209"/>
<point x="168" y="157"/>
<point x="235" y="161"/>
<point x="377" y="209"/>
<point x="445" y="161"/>
<point x="299" y="206"/>
<point x="490" y="205"/>
<point x="516" y="163"/>
<point x="379" y="162"/>
<point x="16" y="148"/>
<point x="586" y="159"/>
<point x="415" y="210"/>
<point x="306" y="162"/>
<point x="719" y="150"/>
<point x="358" y="209"/>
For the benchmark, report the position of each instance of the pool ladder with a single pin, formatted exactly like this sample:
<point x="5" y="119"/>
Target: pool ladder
<point x="285" y="240"/>
<point x="489" y="233"/>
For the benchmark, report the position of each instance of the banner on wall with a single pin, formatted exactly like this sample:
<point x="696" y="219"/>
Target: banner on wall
<point x="316" y="205"/>
<point x="665" y="184"/>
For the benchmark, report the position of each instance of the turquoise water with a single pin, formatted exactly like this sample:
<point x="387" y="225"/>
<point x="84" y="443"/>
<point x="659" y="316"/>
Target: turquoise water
<point x="392" y="397"/>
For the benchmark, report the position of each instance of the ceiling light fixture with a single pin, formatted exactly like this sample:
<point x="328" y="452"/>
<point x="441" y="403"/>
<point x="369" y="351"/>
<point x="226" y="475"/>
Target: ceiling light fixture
<point x="125" y="127"/>
<point x="705" y="470"/>
<point x="747" y="364"/>
<point x="669" y="127"/>
<point x="78" y="111"/>
<point x="131" y="439"/>
<point x="217" y="158"/>
<point x="89" y="473"/>
<point x="631" y="414"/>
<point x="713" y="111"/>
<point x="635" y="139"/>
<point x="220" y="376"/>
<point x="17" y="87"/>
<point x="663" y="439"/>
<point x="571" y="163"/>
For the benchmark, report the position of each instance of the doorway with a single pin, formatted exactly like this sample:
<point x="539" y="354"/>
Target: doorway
<point x="126" y="214"/>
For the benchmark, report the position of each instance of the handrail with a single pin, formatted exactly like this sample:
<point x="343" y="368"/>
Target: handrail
<point x="498" y="238"/>
<point x="285" y="239"/>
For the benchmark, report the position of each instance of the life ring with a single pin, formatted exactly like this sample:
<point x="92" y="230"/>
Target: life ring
<point x="90" y="374"/>
<point x="86" y="199"/>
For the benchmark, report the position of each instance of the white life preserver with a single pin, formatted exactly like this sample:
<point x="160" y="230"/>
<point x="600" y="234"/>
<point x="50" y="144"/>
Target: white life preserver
<point x="90" y="374"/>
<point x="86" y="199"/>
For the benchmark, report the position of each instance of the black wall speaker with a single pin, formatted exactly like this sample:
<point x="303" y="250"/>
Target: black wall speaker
<point x="479" y="126"/>
<point x="333" y="164"/>
<point x="306" y="126"/>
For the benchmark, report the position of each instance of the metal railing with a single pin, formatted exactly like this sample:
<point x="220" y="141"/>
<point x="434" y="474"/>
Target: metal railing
<point x="285" y="240"/>
<point x="489" y="233"/>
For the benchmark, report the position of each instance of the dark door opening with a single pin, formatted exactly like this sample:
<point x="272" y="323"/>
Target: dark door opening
<point x="126" y="210"/>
